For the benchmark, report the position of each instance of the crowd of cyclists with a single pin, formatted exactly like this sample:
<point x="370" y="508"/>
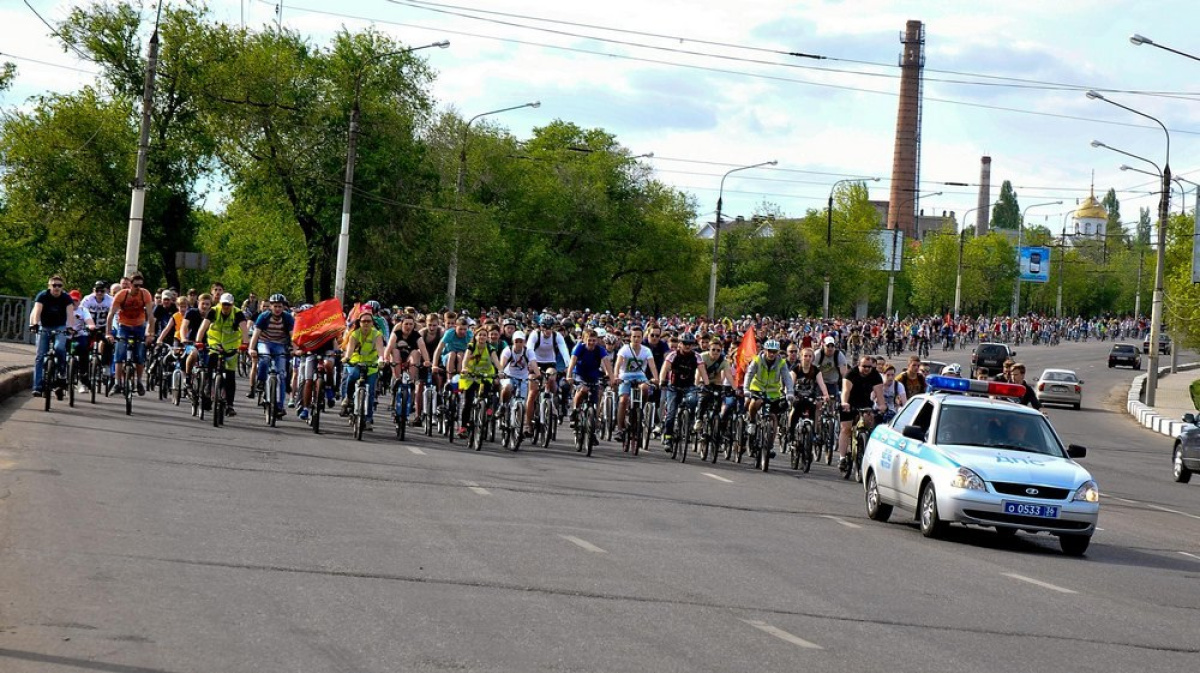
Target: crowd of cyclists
<point x="733" y="387"/>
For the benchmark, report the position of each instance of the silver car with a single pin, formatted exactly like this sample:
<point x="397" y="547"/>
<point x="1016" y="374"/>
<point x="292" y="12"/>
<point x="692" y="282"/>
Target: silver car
<point x="1059" y="386"/>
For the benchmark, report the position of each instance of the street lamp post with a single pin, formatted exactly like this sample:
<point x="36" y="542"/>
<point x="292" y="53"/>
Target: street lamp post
<point x="891" y="291"/>
<point x="460" y="186"/>
<point x="1139" y="40"/>
<point x="1164" y="205"/>
<point x="343" y="249"/>
<point x="712" y="279"/>
<point x="829" y="237"/>
<point x="1016" y="305"/>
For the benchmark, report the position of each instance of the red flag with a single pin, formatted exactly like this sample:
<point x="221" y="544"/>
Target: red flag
<point x="745" y="353"/>
<point x="318" y="324"/>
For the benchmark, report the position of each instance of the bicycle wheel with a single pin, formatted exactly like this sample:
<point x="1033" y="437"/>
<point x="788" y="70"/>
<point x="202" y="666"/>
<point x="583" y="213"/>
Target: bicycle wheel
<point x="428" y="407"/>
<point x="72" y="375"/>
<point x="49" y="367"/>
<point x="546" y="414"/>
<point x="450" y="414"/>
<point x="856" y="462"/>
<point x="359" y="414"/>
<point x="478" y="423"/>
<point x="683" y="432"/>
<point x="177" y="387"/>
<point x="94" y="375"/>
<point x="797" y="446"/>
<point x="768" y="441"/>
<point x="633" y="430"/>
<point x="402" y="418"/>
<point x="317" y="405"/>
<point x="590" y="428"/>
<point x="130" y="384"/>
<point x="218" y="398"/>
<point x="805" y="447"/>
<point x="271" y="393"/>
<point x="516" y="423"/>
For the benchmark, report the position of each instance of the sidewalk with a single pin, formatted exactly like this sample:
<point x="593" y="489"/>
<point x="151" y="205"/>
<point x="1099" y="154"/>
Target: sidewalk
<point x="16" y="368"/>
<point x="1174" y="399"/>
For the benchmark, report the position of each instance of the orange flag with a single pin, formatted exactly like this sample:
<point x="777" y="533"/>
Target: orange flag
<point x="745" y="353"/>
<point x="318" y="324"/>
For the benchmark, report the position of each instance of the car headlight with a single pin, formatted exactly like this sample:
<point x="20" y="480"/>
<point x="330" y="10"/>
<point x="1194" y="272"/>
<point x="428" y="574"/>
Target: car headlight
<point x="1089" y="492"/>
<point x="968" y="480"/>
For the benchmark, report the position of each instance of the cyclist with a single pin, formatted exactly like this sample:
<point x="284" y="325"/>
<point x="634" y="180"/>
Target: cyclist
<point x="768" y="380"/>
<point x="588" y="361"/>
<point x="633" y="361"/>
<point x="894" y="395"/>
<point x="862" y="388"/>
<point x="192" y="320"/>
<point x="720" y="380"/>
<point x="479" y="369"/>
<point x="520" y="370"/>
<point x="134" y="318"/>
<point x="681" y="369"/>
<point x="551" y="354"/>
<point x="807" y="384"/>
<point x="452" y="347"/>
<point x="271" y="339"/>
<point x="911" y="378"/>
<point x="833" y="364"/>
<point x="403" y="351"/>
<point x="319" y="360"/>
<point x="224" y="326"/>
<point x="365" y="346"/>
<point x="99" y="304"/>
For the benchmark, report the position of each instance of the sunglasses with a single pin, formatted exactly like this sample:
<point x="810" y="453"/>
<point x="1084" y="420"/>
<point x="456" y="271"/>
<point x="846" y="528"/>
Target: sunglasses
<point x="56" y="285"/>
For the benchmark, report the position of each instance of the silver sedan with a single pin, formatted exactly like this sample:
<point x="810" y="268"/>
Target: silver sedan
<point x="1059" y="386"/>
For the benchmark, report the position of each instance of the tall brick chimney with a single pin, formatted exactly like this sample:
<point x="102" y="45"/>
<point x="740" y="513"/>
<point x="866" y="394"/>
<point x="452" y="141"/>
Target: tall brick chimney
<point x="985" y="197"/>
<point x="903" y="200"/>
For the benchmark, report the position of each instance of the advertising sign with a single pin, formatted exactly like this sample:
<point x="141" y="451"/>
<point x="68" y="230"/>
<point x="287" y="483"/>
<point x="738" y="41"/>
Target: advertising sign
<point x="1035" y="264"/>
<point x="891" y="244"/>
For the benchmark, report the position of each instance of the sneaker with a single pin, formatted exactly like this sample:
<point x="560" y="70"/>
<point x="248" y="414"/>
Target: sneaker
<point x="750" y="428"/>
<point x="462" y="433"/>
<point x="82" y="389"/>
<point x="667" y="441"/>
<point x="345" y="411"/>
<point x="251" y="394"/>
<point x="619" y="436"/>
<point x="415" y="422"/>
<point x="843" y="463"/>
<point x="59" y="393"/>
<point x="141" y="388"/>
<point x="292" y="403"/>
<point x="368" y="426"/>
<point x="37" y="393"/>
<point x="230" y="412"/>
<point x="696" y="427"/>
<point x="280" y="413"/>
<point x="303" y="415"/>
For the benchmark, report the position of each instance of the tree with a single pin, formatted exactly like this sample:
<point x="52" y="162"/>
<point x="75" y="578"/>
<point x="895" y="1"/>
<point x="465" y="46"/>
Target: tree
<point x="1144" y="227"/>
<point x="1006" y="214"/>
<point x="1113" y="228"/>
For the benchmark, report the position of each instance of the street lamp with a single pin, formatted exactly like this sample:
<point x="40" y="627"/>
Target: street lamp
<point x="1174" y="178"/>
<point x="1139" y="40"/>
<point x="1016" y="305"/>
<point x="1164" y="206"/>
<point x="460" y="187"/>
<point x="343" y="249"/>
<point x="712" y="279"/>
<point x="829" y="236"/>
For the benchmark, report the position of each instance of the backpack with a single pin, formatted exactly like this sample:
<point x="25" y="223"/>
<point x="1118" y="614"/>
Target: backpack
<point x="820" y="358"/>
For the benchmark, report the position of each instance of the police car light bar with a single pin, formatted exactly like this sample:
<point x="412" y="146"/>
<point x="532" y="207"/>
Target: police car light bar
<point x="975" y="386"/>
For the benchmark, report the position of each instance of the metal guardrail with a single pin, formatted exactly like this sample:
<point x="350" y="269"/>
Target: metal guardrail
<point x="14" y="319"/>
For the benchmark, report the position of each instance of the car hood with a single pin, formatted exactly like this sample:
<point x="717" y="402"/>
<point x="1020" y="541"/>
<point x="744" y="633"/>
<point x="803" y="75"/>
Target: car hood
<point x="1019" y="467"/>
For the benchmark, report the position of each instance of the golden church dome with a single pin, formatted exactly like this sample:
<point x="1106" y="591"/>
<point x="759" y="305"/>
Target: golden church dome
<point x="1091" y="209"/>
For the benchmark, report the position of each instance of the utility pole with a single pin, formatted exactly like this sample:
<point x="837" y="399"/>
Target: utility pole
<point x="137" y="206"/>
<point x="1062" y="268"/>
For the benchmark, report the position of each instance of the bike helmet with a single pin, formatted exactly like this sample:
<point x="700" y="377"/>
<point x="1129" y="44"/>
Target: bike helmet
<point x="373" y="304"/>
<point x="688" y="338"/>
<point x="548" y="321"/>
<point x="771" y="345"/>
<point x="277" y="299"/>
<point x="952" y="370"/>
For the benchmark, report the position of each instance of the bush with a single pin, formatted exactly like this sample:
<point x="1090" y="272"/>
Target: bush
<point x="1195" y="390"/>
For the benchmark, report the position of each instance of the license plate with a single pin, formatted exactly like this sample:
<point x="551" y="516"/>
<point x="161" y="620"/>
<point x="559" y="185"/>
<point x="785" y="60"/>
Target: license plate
<point x="1059" y="389"/>
<point x="1024" y="509"/>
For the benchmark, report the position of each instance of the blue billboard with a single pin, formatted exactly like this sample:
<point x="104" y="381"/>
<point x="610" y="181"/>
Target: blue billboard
<point x="1035" y="264"/>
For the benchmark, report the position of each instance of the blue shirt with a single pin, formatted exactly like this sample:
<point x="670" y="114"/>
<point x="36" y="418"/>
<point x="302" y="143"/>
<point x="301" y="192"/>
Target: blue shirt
<point x="588" y="362"/>
<point x="454" y="343"/>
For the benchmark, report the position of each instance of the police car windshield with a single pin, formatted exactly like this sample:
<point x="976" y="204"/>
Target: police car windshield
<point x="995" y="427"/>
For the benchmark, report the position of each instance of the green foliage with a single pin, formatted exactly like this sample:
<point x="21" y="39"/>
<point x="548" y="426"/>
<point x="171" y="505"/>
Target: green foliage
<point x="743" y="299"/>
<point x="1194" y="389"/>
<point x="1006" y="214"/>
<point x="1111" y="204"/>
<point x="8" y="72"/>
<point x="1144" y="227"/>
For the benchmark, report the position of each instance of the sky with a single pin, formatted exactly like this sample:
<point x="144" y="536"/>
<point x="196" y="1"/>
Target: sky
<point x="708" y="86"/>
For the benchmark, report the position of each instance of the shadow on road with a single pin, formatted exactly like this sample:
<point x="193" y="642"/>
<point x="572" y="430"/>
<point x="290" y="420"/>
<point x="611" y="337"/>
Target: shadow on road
<point x="75" y="662"/>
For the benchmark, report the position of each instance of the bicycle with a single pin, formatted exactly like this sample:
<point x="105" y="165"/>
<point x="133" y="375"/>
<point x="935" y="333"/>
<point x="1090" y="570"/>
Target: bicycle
<point x="98" y="373"/>
<point x="858" y="443"/>
<point x="512" y="416"/>
<point x="177" y="377"/>
<point x="361" y="397"/>
<point x="243" y="363"/>
<point x="220" y="405"/>
<point x="608" y="412"/>
<point x="429" y="404"/>
<point x="268" y="396"/>
<point x="586" y="421"/>
<point x="802" y="444"/>
<point x="129" y="371"/>
<point x="402" y="402"/>
<point x="545" y="418"/>
<point x="765" y="429"/>
<point x="682" y="430"/>
<point x="483" y="411"/>
<point x="73" y="370"/>
<point x="712" y="427"/>
<point x="633" y="421"/>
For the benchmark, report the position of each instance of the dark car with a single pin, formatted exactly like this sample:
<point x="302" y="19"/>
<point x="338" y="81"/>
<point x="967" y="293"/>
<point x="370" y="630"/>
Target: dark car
<point x="1185" y="458"/>
<point x="1125" y="355"/>
<point x="1164" y="344"/>
<point x="992" y="356"/>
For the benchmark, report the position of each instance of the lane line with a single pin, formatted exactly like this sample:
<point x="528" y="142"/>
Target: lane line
<point x="1190" y="555"/>
<point x="583" y="544"/>
<point x="717" y="477"/>
<point x="415" y="451"/>
<point x="782" y="635"/>
<point x="1044" y="585"/>
<point x="476" y="488"/>
<point x="1157" y="507"/>
<point x="845" y="523"/>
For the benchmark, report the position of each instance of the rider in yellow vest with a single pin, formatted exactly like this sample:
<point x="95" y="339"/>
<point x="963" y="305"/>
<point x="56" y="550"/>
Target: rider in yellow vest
<point x="224" y="327"/>
<point x="479" y="370"/>
<point x="767" y="378"/>
<point x="364" y="348"/>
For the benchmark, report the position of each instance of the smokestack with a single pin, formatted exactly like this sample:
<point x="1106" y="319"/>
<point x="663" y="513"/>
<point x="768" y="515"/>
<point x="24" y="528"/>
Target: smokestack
<point x="906" y="156"/>
<point x="985" y="197"/>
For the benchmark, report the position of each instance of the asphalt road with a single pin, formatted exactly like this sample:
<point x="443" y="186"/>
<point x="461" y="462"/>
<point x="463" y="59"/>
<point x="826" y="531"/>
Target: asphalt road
<point x="158" y="544"/>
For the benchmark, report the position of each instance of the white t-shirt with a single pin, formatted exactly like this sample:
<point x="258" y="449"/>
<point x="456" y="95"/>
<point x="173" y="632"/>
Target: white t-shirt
<point x="635" y="363"/>
<point x="516" y="364"/>
<point x="100" y="310"/>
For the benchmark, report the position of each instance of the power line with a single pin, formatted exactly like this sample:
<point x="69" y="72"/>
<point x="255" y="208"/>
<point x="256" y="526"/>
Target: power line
<point x="55" y="33"/>
<point x="47" y="63"/>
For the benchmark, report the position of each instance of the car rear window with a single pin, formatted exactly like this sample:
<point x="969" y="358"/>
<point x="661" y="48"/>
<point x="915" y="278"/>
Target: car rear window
<point x="1058" y="376"/>
<point x="1123" y="349"/>
<point x="993" y="351"/>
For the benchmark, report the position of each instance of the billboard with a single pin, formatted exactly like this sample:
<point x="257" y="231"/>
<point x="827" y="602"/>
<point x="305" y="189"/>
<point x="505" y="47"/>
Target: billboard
<point x="891" y="245"/>
<point x="1034" y="263"/>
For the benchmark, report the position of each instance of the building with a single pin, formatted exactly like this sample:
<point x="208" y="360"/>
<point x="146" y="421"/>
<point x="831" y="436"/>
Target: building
<point x="925" y="224"/>
<point x="1090" y="220"/>
<point x="761" y="226"/>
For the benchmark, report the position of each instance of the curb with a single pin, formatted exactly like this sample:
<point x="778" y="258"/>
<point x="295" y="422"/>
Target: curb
<point x="15" y="380"/>
<point x="1149" y="417"/>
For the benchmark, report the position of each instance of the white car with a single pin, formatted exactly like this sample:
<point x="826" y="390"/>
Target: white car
<point x="950" y="457"/>
<point x="1059" y="386"/>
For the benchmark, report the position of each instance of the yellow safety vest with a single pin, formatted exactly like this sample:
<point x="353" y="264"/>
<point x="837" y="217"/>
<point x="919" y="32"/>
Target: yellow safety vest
<point x="767" y="379"/>
<point x="366" y="353"/>
<point x="223" y="331"/>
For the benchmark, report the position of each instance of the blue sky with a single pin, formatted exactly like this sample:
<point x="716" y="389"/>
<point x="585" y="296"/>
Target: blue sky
<point x="820" y="125"/>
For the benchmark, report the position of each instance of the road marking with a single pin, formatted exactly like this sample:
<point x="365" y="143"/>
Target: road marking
<point x="584" y="544"/>
<point x="782" y="635"/>
<point x="415" y="451"/>
<point x="845" y="523"/>
<point x="1044" y="585"/>
<point x="1190" y="555"/>
<point x="1157" y="507"/>
<point x="717" y="477"/>
<point x="475" y="487"/>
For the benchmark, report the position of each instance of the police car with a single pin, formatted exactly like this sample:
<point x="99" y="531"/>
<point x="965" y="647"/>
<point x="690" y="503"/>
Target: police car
<point x="960" y="455"/>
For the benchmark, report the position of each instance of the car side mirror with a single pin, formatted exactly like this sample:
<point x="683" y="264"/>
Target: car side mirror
<point x="1189" y="418"/>
<point x="1080" y="382"/>
<point x="914" y="432"/>
<point x="1076" y="451"/>
<point x="1012" y="354"/>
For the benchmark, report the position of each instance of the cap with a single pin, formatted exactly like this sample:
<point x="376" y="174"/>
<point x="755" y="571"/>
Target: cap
<point x="829" y="341"/>
<point x="952" y="368"/>
<point x="75" y="294"/>
<point x="100" y="285"/>
<point x="227" y="298"/>
<point x="518" y="336"/>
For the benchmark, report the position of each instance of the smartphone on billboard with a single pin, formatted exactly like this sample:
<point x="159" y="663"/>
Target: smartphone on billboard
<point x="1035" y="263"/>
